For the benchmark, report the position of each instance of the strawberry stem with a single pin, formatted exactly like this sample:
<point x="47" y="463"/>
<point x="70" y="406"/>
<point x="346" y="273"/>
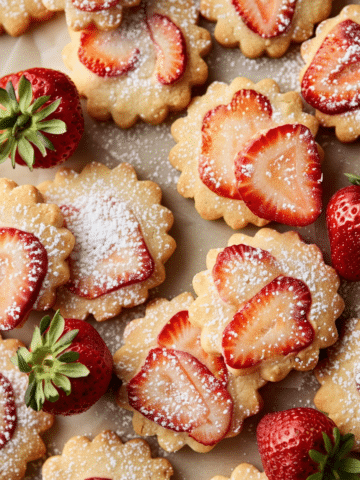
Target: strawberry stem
<point x="354" y="179"/>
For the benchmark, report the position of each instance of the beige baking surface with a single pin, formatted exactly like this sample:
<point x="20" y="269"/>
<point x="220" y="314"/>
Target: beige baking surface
<point x="146" y="148"/>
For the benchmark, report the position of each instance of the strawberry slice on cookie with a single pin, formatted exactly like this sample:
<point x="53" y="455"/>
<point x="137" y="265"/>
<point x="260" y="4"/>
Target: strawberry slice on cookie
<point x="224" y="132"/>
<point x="23" y="266"/>
<point x="8" y="413"/>
<point x="279" y="175"/>
<point x="178" y="392"/>
<point x="267" y="18"/>
<point x="273" y="323"/>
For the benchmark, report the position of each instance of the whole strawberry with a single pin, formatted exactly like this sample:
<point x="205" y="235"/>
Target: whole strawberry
<point x="343" y="224"/>
<point x="41" y="120"/>
<point x="69" y="366"/>
<point x="304" y="444"/>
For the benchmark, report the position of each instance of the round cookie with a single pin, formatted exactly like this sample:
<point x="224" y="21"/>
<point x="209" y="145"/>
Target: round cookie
<point x="106" y="457"/>
<point x="143" y="69"/>
<point x="16" y="16"/>
<point x="198" y="409"/>
<point x="329" y="80"/>
<point x="24" y="214"/>
<point x="121" y="240"/>
<point x="339" y="393"/>
<point x="268" y="303"/>
<point x="20" y="440"/>
<point x="218" y="126"/>
<point x="264" y="27"/>
<point x="244" y="471"/>
<point x="80" y="14"/>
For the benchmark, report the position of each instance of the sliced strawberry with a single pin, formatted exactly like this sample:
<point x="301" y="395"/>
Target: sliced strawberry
<point x="176" y="391"/>
<point x="94" y="5"/>
<point x="240" y="271"/>
<point x="331" y="82"/>
<point x="110" y="250"/>
<point x="279" y="175"/>
<point x="163" y="392"/>
<point x="267" y="18"/>
<point x="273" y="323"/>
<point x="23" y="266"/>
<point x="170" y="45"/>
<point x="225" y="131"/>
<point x="108" y="54"/>
<point x="8" y="417"/>
<point x="180" y="334"/>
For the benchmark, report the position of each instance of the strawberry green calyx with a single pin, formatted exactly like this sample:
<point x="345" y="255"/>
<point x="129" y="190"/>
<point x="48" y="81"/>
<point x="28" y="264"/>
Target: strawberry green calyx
<point x="23" y="122"/>
<point x="47" y="363"/>
<point x="335" y="464"/>
<point x="354" y="179"/>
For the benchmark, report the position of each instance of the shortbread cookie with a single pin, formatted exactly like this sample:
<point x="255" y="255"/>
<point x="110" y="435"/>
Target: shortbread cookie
<point x="267" y="303"/>
<point x="105" y="458"/>
<point x="20" y="426"/>
<point x="34" y="247"/>
<point x="121" y="238"/>
<point x="80" y="14"/>
<point x="176" y="390"/>
<point x="261" y="27"/>
<point x="143" y="69"/>
<point x="236" y="155"/>
<point x="244" y="471"/>
<point x="16" y="16"/>
<point x="339" y="376"/>
<point x="330" y="78"/>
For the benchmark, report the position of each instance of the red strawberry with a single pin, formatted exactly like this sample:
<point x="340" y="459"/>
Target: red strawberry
<point x="180" y="334"/>
<point x="23" y="266"/>
<point x="343" y="224"/>
<point x="273" y="323"/>
<point x="267" y="18"/>
<point x="279" y="175"/>
<point x="240" y="271"/>
<point x="304" y="444"/>
<point x="225" y="131"/>
<point x="331" y="82"/>
<point x="62" y="349"/>
<point x="110" y="250"/>
<point x="170" y="45"/>
<point x="8" y="415"/>
<point x="176" y="391"/>
<point x="108" y="54"/>
<point x="41" y="118"/>
<point x="94" y="5"/>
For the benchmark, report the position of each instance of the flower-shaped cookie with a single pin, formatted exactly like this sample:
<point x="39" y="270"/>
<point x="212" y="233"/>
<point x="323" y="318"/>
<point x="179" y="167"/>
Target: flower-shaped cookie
<point x="267" y="303"/>
<point x="16" y="16"/>
<point x="339" y="376"/>
<point x="176" y="390"/>
<point x="105" y="458"/>
<point x="330" y="78"/>
<point x="121" y="240"/>
<point x="143" y="69"/>
<point x="247" y="153"/>
<point x="104" y="14"/>
<point x="20" y="426"/>
<point x="244" y="471"/>
<point x="264" y="27"/>
<point x="34" y="247"/>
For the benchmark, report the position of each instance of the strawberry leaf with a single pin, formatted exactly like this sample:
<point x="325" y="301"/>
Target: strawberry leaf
<point x="4" y="99"/>
<point x="39" y="102"/>
<point x="349" y="465"/>
<point x="62" y="382"/>
<point x="39" y="395"/>
<point x="56" y="127"/>
<point x="20" y="361"/>
<point x="46" y="111"/>
<point x="29" y="398"/>
<point x="50" y="391"/>
<point x="316" y="476"/>
<point x="26" y="152"/>
<point x="44" y="324"/>
<point x="327" y="442"/>
<point x="56" y="329"/>
<point x="37" y="340"/>
<point x="69" y="357"/>
<point x="25" y="93"/>
<point x="354" y="179"/>
<point x="73" y="370"/>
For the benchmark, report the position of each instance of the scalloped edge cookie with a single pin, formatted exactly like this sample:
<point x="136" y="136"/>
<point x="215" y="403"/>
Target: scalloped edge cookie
<point x="287" y="108"/>
<point x="155" y="221"/>
<point x="140" y="336"/>
<point x="347" y="125"/>
<point x="244" y="471"/>
<point x="106" y="456"/>
<point x="297" y="259"/>
<point x="26" y="444"/>
<point x="16" y="16"/>
<point x="23" y="207"/>
<point x="137" y="94"/>
<point x="231" y="31"/>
